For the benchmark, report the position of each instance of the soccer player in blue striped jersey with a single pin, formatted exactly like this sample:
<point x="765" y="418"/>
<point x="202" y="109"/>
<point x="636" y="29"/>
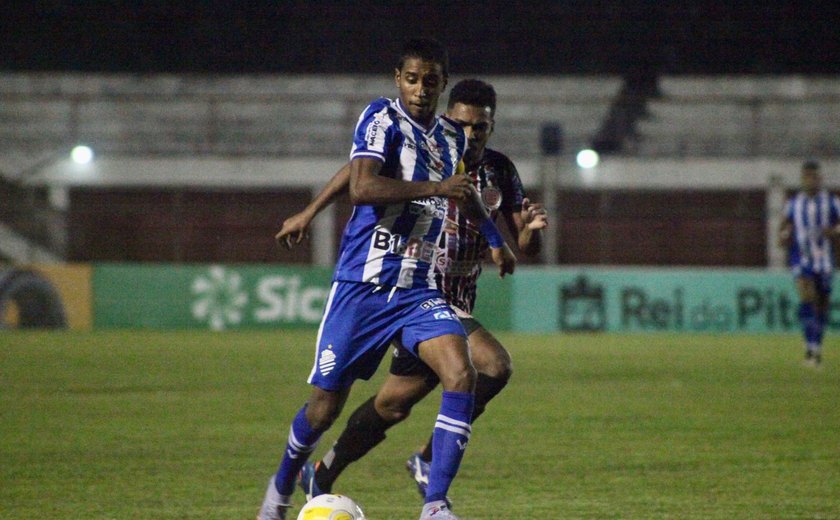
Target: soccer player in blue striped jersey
<point x="403" y="173"/>
<point x="810" y="224"/>
<point x="472" y="103"/>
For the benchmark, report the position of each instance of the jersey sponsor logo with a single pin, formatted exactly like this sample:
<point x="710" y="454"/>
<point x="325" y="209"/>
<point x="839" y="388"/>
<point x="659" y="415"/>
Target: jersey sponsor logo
<point x="326" y="363"/>
<point x="445" y="315"/>
<point x="431" y="206"/>
<point x="397" y="244"/>
<point x="373" y="131"/>
<point x="432" y="303"/>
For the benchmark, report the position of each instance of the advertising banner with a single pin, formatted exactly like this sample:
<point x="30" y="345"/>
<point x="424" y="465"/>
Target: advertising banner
<point x="649" y="300"/>
<point x="46" y="296"/>
<point x="223" y="297"/>
<point x="216" y="297"/>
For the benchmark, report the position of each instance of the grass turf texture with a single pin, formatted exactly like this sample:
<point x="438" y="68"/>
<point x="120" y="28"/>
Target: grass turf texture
<point x="189" y="425"/>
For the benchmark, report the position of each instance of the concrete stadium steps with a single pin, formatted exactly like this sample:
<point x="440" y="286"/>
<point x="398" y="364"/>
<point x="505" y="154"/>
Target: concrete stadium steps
<point x="260" y="115"/>
<point x="303" y="115"/>
<point x="737" y="116"/>
<point x="749" y="87"/>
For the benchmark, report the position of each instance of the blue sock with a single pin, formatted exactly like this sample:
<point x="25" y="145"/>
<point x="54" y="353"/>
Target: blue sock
<point x="302" y="441"/>
<point x="450" y="438"/>
<point x="810" y="323"/>
<point x="822" y="321"/>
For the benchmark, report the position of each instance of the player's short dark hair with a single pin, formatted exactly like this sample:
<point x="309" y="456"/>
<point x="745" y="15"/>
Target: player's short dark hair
<point x="811" y="164"/>
<point x="473" y="92"/>
<point x="426" y="49"/>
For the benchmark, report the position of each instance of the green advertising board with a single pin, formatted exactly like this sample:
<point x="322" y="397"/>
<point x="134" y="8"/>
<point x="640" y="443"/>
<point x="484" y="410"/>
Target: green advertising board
<point x="648" y="300"/>
<point x="223" y="297"/>
<point x="215" y="297"/>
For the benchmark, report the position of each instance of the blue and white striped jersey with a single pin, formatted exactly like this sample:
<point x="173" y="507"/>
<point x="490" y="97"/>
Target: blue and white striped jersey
<point x="396" y="244"/>
<point x="810" y="217"/>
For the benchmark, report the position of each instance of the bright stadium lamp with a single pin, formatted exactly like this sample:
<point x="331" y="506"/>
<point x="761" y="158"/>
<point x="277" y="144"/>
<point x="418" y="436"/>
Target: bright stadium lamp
<point x="81" y="154"/>
<point x="588" y="158"/>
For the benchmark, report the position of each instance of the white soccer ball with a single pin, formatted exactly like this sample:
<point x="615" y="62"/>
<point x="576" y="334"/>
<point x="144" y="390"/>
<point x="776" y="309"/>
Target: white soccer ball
<point x="331" y="507"/>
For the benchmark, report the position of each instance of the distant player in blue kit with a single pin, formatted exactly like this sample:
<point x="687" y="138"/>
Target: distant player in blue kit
<point x="403" y="173"/>
<point x="809" y="226"/>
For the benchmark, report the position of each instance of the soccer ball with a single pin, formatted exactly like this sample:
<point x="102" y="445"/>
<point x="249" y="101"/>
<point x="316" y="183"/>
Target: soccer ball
<point x="331" y="507"/>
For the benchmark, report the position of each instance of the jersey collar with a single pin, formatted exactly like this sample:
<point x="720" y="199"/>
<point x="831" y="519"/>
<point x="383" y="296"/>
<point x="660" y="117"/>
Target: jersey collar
<point x="414" y="123"/>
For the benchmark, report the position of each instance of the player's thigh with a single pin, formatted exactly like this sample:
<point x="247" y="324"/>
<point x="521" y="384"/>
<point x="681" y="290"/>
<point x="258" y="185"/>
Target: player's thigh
<point x="806" y="287"/>
<point x="489" y="356"/>
<point x="448" y="355"/>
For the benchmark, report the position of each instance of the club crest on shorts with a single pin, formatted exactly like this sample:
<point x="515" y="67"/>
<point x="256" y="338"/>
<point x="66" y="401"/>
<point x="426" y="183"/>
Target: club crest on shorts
<point x="326" y="362"/>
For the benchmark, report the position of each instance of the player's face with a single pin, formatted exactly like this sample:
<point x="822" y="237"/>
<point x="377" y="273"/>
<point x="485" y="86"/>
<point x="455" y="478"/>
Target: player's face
<point x="478" y="125"/>
<point x="810" y="180"/>
<point x="421" y="84"/>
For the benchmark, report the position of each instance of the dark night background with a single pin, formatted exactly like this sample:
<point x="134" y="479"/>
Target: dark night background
<point x="483" y="37"/>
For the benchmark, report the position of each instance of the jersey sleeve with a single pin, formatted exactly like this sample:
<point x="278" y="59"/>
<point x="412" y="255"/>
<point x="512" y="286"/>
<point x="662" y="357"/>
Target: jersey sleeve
<point x="835" y="210"/>
<point x="512" y="190"/>
<point x="374" y="132"/>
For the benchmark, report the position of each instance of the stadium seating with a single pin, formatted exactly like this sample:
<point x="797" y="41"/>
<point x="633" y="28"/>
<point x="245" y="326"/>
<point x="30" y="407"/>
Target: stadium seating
<point x="311" y="115"/>
<point x="742" y="116"/>
<point x="257" y="115"/>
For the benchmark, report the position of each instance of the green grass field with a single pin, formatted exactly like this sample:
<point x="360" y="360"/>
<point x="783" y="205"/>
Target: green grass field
<point x="189" y="425"/>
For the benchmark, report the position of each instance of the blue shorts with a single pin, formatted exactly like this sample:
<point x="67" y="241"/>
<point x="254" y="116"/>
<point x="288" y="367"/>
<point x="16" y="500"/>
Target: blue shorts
<point x="822" y="281"/>
<point x="361" y="320"/>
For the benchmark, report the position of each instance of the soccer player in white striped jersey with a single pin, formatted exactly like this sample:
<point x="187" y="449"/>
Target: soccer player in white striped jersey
<point x="472" y="103"/>
<point x="403" y="173"/>
<point x="810" y="224"/>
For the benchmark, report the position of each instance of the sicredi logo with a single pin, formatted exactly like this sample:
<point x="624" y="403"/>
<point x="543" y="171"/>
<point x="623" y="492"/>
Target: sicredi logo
<point x="223" y="300"/>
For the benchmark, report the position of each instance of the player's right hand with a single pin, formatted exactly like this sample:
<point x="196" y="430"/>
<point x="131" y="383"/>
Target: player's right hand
<point x="294" y="230"/>
<point x="504" y="259"/>
<point x="456" y="187"/>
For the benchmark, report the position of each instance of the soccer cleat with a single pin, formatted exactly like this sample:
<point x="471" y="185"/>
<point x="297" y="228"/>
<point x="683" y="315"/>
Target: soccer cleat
<point x="812" y="359"/>
<point x="306" y="481"/>
<point x="419" y="471"/>
<point x="274" y="506"/>
<point x="437" y="510"/>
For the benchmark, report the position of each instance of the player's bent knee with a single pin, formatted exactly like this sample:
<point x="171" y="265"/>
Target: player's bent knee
<point x="499" y="368"/>
<point x="393" y="412"/>
<point x="461" y="379"/>
<point x="323" y="408"/>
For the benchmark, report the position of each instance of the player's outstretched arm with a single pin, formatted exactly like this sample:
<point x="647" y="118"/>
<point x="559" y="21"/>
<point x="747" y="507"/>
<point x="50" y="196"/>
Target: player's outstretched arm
<point x="526" y="225"/>
<point x="368" y="187"/>
<point x="296" y="227"/>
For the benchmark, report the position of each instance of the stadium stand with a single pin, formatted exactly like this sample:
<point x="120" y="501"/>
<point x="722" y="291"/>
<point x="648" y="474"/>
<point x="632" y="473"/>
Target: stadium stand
<point x="175" y="126"/>
<point x="742" y="116"/>
<point x="275" y="116"/>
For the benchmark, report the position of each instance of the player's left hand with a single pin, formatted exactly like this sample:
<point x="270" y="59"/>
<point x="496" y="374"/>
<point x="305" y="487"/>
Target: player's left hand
<point x="534" y="216"/>
<point x="295" y="229"/>
<point x="504" y="259"/>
